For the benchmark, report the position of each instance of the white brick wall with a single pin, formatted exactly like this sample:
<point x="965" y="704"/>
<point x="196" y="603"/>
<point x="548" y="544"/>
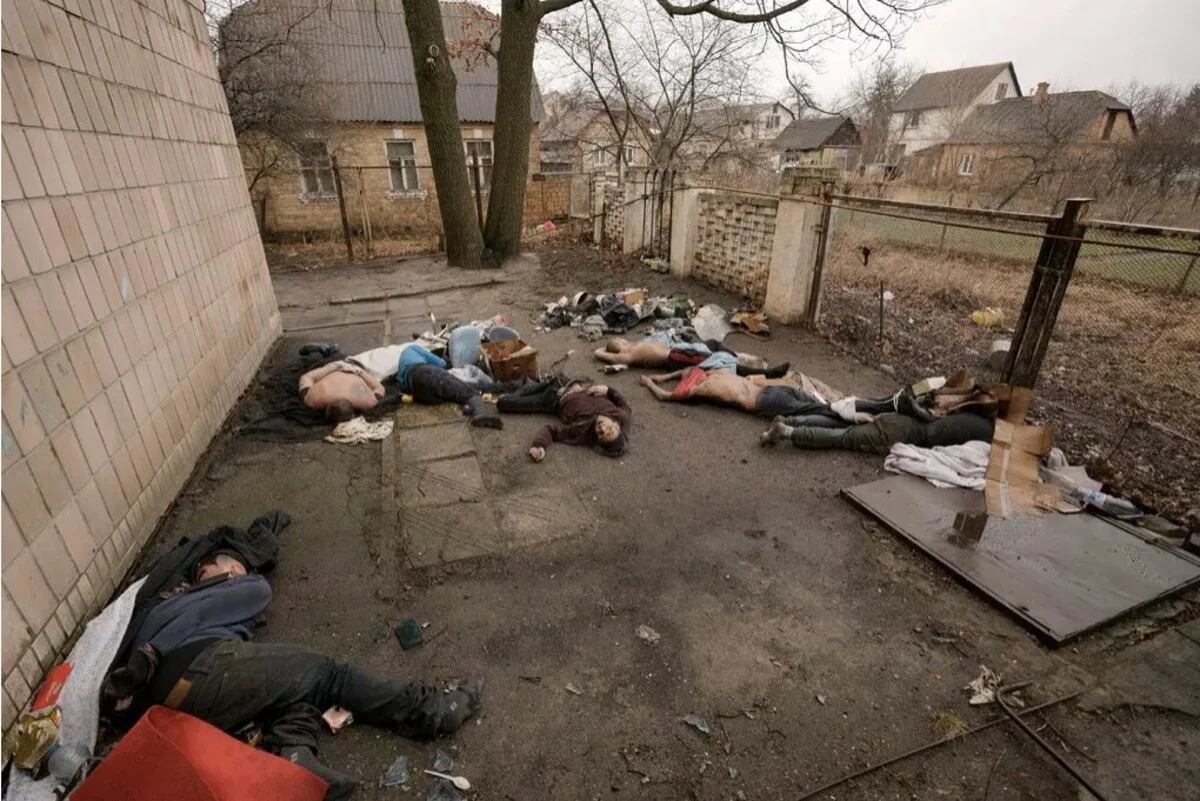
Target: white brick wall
<point x="734" y="236"/>
<point x="136" y="299"/>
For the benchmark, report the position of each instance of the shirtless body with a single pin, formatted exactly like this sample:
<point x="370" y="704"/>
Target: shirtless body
<point x="339" y="385"/>
<point x="661" y="350"/>
<point x="766" y="397"/>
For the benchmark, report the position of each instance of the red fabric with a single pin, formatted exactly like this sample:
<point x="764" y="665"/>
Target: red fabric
<point x="683" y="358"/>
<point x="170" y="756"/>
<point x="693" y="378"/>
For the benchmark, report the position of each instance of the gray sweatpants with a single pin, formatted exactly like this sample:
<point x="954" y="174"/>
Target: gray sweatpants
<point x="886" y="430"/>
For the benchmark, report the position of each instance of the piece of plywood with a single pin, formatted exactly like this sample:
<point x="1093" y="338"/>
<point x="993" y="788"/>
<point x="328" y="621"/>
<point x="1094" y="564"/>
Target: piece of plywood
<point x="1062" y="575"/>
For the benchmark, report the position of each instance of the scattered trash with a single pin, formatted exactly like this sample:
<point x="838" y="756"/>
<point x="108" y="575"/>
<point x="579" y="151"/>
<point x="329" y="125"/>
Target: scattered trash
<point x="1109" y="504"/>
<point x="443" y="791"/>
<point x="593" y="328"/>
<point x="753" y="321"/>
<point x="733" y="773"/>
<point x="997" y="356"/>
<point x="709" y="323"/>
<point x="443" y="762"/>
<point x="573" y="690"/>
<point x="460" y="782"/>
<point x="609" y="369"/>
<point x="659" y="265"/>
<point x="988" y="317"/>
<point x="337" y="718"/>
<point x="397" y="774"/>
<point x="547" y="227"/>
<point x="357" y="430"/>
<point x="511" y="359"/>
<point x="648" y="634"/>
<point x="410" y="634"/>
<point x="698" y="723"/>
<point x="821" y="699"/>
<point x="889" y="295"/>
<point x="983" y="687"/>
<point x="38" y="729"/>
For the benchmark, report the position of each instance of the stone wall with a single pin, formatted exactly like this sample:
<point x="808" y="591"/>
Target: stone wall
<point x="548" y="198"/>
<point x="734" y="236"/>
<point x="136" y="299"/>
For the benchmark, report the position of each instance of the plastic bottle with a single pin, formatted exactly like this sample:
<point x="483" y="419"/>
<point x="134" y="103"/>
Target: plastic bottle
<point x="1117" y="507"/>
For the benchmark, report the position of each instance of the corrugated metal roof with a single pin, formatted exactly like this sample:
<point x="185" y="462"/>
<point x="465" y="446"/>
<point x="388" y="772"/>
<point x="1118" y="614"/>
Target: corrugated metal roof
<point x="1021" y="120"/>
<point x="808" y="134"/>
<point x="363" y="55"/>
<point x="951" y="87"/>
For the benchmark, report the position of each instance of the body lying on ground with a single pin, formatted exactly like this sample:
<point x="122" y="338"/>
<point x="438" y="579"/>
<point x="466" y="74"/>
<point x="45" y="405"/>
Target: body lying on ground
<point x="663" y="350"/>
<point x="756" y="394"/>
<point x="427" y="378"/>
<point x="340" y="389"/>
<point x="595" y="415"/>
<point x="884" y="431"/>
<point x="191" y="651"/>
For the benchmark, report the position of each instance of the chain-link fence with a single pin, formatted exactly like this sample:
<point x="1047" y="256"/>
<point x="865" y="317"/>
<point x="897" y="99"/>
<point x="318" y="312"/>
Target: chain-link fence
<point x="925" y="290"/>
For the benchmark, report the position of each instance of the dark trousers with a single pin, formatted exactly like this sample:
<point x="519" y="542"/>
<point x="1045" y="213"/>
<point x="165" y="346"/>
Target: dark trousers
<point x="886" y="430"/>
<point x="430" y="384"/>
<point x="537" y="398"/>
<point x="285" y="689"/>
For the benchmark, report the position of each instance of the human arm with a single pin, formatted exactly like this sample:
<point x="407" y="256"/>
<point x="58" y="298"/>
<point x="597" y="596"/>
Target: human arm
<point x="313" y="376"/>
<point x="547" y="434"/>
<point x="373" y="383"/>
<point x="618" y="400"/>
<point x="234" y="602"/>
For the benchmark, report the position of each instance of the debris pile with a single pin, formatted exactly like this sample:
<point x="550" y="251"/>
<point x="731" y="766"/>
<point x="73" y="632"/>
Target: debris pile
<point x="617" y="312"/>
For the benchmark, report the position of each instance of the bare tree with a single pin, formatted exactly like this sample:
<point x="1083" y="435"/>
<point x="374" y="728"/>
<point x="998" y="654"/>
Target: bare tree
<point x="1162" y="164"/>
<point x="272" y="80"/>
<point x="871" y="97"/>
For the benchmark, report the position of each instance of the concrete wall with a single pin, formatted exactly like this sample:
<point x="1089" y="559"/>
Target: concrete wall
<point x="613" y="220"/>
<point x="136" y="299"/>
<point x="733" y="242"/>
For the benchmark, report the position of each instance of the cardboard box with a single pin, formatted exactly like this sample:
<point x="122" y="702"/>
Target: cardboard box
<point x="511" y="359"/>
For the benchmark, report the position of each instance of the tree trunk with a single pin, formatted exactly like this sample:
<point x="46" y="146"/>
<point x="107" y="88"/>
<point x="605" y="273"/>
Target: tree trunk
<point x="510" y="170"/>
<point x="438" y="90"/>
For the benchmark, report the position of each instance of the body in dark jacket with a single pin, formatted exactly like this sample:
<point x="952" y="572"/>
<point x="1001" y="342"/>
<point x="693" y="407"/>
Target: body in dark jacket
<point x="582" y="409"/>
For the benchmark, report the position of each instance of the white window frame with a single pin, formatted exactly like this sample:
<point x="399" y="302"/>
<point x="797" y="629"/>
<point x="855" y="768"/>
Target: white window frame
<point x="600" y="156"/>
<point x="316" y="172"/>
<point x="402" y="190"/>
<point x="1001" y="91"/>
<point x="485" y="162"/>
<point x="912" y="119"/>
<point x="966" y="164"/>
<point x="627" y="154"/>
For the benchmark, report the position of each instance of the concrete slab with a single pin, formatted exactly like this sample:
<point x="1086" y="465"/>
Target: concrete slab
<point x="441" y="483"/>
<point x="541" y="515"/>
<point x="436" y="534"/>
<point x="414" y="415"/>
<point x="1191" y="630"/>
<point x="430" y="443"/>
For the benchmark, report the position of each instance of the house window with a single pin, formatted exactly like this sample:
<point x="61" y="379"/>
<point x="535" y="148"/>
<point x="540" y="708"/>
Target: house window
<point x="1001" y="91"/>
<point x="1110" y="119"/>
<point x="773" y="122"/>
<point x="402" y="167"/>
<point x="912" y="119"/>
<point x="316" y="170"/>
<point x="627" y="154"/>
<point x="481" y="150"/>
<point x="600" y="156"/>
<point x="966" y="165"/>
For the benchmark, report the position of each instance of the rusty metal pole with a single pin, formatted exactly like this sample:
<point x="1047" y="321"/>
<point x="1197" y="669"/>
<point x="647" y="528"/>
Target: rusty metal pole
<point x="813" y="314"/>
<point x="337" y="183"/>
<point x="1047" y="288"/>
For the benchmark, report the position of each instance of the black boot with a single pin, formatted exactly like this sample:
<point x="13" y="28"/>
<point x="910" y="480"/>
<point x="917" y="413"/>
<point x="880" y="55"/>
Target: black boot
<point x="483" y="414"/>
<point x="340" y="785"/>
<point x="778" y="371"/>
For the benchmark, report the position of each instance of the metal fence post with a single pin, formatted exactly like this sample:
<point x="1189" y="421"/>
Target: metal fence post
<point x="478" y="188"/>
<point x="1047" y="288"/>
<point x="337" y="183"/>
<point x="818" y="278"/>
<point x="1179" y="290"/>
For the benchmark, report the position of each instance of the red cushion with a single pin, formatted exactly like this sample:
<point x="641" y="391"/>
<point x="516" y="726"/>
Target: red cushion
<point x="170" y="756"/>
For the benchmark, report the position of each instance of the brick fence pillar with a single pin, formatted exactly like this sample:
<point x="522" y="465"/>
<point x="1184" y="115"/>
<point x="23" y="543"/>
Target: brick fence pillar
<point x="685" y="222"/>
<point x="794" y="250"/>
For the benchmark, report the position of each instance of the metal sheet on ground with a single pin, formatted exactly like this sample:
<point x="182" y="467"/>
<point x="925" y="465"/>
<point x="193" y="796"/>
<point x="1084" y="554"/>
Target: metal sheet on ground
<point x="1062" y="575"/>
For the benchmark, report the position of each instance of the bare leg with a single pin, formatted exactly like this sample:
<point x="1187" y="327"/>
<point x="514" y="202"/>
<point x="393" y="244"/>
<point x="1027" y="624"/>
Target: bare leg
<point x="778" y="431"/>
<point x="658" y="392"/>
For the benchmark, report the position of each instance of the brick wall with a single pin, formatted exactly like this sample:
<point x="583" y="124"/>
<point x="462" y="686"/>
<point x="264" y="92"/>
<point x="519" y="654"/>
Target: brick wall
<point x="614" y="216"/>
<point x="361" y="150"/>
<point x="137" y="303"/>
<point x="548" y="198"/>
<point x="734" y="236"/>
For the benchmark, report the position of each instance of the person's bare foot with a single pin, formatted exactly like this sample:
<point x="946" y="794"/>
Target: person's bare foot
<point x="779" y="430"/>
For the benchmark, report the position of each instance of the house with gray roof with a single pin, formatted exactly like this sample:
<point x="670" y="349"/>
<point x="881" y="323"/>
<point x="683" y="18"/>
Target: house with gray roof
<point x="370" y="118"/>
<point x="932" y="109"/>
<point x="827" y="141"/>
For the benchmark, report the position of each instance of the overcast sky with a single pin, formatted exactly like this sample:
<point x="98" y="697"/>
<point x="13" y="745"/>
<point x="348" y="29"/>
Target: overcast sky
<point x="1073" y="44"/>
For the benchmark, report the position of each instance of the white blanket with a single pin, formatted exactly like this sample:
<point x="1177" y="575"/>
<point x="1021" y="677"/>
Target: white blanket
<point x="943" y="466"/>
<point x="80" y="698"/>
<point x="357" y="430"/>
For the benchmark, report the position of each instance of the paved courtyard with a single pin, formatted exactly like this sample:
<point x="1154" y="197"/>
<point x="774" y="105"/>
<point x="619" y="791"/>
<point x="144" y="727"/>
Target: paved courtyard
<point x="811" y="640"/>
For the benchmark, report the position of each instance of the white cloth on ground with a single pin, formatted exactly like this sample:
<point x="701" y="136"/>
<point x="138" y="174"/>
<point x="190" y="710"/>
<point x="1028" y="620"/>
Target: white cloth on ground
<point x="844" y="409"/>
<point x="382" y="362"/>
<point x="944" y="465"/>
<point x="80" y="698"/>
<point x="357" y="430"/>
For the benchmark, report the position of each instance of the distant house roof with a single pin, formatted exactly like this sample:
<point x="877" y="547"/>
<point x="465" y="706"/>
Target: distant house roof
<point x="1023" y="120"/>
<point x="952" y="87"/>
<point x="810" y="134"/>
<point x="363" y="54"/>
<point x="720" y="117"/>
<point x="570" y="123"/>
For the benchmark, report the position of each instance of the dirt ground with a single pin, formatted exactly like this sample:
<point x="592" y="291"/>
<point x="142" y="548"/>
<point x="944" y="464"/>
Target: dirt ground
<point x="812" y="641"/>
